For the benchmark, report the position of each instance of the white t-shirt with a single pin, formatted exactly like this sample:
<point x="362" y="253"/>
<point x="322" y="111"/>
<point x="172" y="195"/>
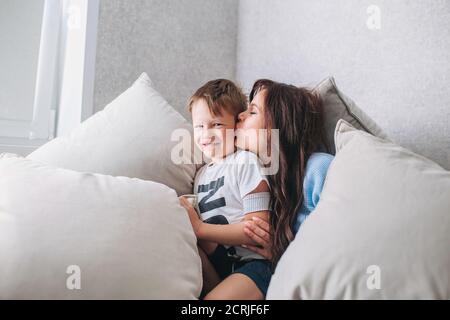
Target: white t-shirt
<point x="221" y="188"/>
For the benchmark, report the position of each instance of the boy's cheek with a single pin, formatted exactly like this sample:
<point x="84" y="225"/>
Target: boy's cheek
<point x="197" y="142"/>
<point x="229" y="135"/>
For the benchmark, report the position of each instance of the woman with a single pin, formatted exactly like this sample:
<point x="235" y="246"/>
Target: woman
<point x="296" y="186"/>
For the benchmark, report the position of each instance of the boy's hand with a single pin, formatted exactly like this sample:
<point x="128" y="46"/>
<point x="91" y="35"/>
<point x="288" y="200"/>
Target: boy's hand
<point x="193" y="216"/>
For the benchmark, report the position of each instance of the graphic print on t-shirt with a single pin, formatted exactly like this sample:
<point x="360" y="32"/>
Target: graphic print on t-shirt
<point x="204" y="205"/>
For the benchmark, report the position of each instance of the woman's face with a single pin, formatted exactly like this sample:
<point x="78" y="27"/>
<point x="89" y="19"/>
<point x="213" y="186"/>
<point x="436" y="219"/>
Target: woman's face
<point x="250" y="133"/>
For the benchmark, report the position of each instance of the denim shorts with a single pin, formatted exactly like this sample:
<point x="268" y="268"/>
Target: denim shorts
<point x="259" y="270"/>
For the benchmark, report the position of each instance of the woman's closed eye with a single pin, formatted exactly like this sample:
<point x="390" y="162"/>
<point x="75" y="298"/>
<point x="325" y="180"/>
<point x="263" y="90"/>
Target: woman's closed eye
<point x="218" y="125"/>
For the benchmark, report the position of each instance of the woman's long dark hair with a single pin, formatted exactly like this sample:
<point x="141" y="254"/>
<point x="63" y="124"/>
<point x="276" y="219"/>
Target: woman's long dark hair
<point x="297" y="114"/>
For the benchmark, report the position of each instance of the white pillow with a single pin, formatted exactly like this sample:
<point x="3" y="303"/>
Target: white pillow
<point x="337" y="105"/>
<point x="129" y="237"/>
<point x="130" y="137"/>
<point x="383" y="216"/>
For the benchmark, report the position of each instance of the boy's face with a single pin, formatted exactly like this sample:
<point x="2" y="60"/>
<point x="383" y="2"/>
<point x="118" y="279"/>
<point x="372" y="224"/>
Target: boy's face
<point x="210" y="131"/>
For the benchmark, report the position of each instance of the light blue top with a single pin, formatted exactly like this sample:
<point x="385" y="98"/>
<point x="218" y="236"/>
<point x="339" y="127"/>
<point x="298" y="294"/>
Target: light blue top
<point x="316" y="171"/>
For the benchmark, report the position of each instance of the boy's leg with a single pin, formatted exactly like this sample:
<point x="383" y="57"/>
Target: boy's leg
<point x="208" y="246"/>
<point x="236" y="287"/>
<point x="209" y="274"/>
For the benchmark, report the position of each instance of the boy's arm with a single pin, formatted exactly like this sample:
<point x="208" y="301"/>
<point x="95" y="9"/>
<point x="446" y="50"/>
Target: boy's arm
<point x="229" y="234"/>
<point x="210" y="246"/>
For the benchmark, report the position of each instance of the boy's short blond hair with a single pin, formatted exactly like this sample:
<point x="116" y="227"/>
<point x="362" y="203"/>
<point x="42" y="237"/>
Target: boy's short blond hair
<point x="220" y="94"/>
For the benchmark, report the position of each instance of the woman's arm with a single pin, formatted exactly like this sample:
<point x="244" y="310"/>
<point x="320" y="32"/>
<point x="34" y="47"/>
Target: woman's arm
<point x="259" y="231"/>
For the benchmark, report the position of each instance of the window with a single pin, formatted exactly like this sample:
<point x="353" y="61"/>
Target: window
<point x="46" y="69"/>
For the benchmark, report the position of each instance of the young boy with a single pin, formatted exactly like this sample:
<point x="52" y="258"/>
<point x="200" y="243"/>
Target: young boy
<point x="230" y="190"/>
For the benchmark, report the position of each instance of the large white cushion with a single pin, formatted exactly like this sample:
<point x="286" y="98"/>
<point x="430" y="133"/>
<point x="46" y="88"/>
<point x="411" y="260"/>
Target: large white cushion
<point x="130" y="137"/>
<point x="129" y="237"/>
<point x="384" y="211"/>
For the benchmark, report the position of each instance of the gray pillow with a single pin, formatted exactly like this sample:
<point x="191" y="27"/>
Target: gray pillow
<point x="338" y="106"/>
<point x="380" y="231"/>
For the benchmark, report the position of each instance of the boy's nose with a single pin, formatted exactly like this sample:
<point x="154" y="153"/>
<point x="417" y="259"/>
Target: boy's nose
<point x="207" y="134"/>
<point x="207" y="140"/>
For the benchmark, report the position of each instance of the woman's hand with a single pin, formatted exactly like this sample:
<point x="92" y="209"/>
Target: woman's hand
<point x="259" y="231"/>
<point x="196" y="222"/>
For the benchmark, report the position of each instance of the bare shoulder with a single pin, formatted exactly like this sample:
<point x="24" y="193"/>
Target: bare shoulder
<point x="262" y="187"/>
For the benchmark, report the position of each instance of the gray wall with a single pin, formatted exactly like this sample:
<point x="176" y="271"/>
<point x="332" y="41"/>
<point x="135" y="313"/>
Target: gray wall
<point x="180" y="44"/>
<point x="399" y="74"/>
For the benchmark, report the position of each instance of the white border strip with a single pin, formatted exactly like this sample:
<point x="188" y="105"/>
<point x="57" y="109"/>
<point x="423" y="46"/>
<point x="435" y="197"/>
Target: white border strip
<point x="77" y="63"/>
